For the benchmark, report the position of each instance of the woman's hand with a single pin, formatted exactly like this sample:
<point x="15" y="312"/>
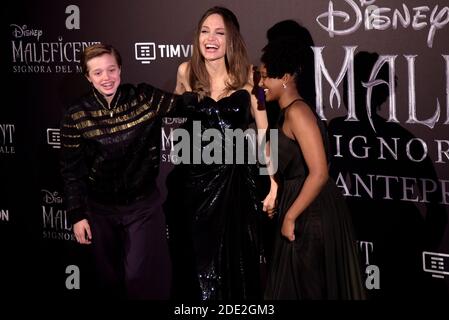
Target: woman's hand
<point x="82" y="232"/>
<point x="270" y="204"/>
<point x="288" y="228"/>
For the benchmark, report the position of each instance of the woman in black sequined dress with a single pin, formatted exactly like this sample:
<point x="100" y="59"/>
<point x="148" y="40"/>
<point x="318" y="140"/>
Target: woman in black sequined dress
<point x="213" y="212"/>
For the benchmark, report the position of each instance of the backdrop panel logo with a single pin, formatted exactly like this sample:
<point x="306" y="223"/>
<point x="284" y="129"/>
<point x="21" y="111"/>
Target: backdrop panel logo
<point x="4" y="215"/>
<point x="350" y="17"/>
<point x="146" y="52"/>
<point x="378" y="158"/>
<point x="7" y="132"/>
<point x="167" y="144"/>
<point x="54" y="218"/>
<point x="54" y="138"/>
<point x="436" y="263"/>
<point x="32" y="53"/>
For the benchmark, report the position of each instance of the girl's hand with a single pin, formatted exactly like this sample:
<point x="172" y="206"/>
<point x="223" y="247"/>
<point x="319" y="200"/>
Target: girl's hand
<point x="288" y="228"/>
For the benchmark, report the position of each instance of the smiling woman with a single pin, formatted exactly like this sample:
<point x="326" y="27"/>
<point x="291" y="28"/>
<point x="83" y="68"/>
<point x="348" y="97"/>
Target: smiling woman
<point x="314" y="254"/>
<point x="213" y="209"/>
<point x="213" y="38"/>
<point x="219" y="63"/>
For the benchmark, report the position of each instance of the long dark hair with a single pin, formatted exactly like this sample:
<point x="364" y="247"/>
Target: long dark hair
<point x="236" y="57"/>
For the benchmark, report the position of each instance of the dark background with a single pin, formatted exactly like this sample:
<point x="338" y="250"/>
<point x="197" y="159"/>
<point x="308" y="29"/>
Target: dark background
<point x="35" y="239"/>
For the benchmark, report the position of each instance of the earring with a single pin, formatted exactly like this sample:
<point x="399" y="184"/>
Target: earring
<point x="284" y="86"/>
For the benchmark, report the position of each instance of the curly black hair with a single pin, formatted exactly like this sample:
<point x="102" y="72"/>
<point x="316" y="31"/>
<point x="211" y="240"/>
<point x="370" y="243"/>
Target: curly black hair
<point x="291" y="56"/>
<point x="288" y="29"/>
<point x="283" y="56"/>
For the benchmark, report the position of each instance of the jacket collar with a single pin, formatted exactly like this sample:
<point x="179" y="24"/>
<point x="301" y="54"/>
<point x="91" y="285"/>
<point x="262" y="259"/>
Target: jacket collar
<point x="102" y="101"/>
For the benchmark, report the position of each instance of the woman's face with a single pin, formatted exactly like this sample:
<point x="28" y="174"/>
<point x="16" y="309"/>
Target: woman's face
<point x="212" y="39"/>
<point x="272" y="86"/>
<point x="104" y="74"/>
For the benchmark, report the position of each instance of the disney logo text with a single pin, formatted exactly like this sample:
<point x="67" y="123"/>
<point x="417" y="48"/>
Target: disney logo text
<point x="51" y="197"/>
<point x="23" y="31"/>
<point x="382" y="18"/>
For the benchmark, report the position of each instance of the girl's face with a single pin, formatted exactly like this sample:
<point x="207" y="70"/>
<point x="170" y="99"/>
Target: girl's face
<point x="104" y="74"/>
<point x="272" y="86"/>
<point x="212" y="39"/>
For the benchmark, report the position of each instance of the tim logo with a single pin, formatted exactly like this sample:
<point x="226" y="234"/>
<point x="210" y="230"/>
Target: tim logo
<point x="436" y="263"/>
<point x="145" y="52"/>
<point x="148" y="51"/>
<point x="54" y="138"/>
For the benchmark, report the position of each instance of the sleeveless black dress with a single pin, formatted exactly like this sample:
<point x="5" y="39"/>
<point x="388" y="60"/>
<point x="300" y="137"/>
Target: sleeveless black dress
<point x="322" y="261"/>
<point x="213" y="212"/>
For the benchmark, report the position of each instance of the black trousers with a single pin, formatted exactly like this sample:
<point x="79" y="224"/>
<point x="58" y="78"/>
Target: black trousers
<point x="130" y="250"/>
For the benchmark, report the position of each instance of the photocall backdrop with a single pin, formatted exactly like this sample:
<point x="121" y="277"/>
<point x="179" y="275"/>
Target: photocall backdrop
<point x="391" y="164"/>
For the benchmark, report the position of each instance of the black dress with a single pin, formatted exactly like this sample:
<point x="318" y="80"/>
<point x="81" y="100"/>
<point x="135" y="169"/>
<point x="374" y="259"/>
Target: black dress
<point x="213" y="211"/>
<point x="322" y="261"/>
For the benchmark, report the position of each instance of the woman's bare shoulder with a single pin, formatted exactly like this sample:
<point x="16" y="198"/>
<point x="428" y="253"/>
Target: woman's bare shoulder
<point x="183" y="68"/>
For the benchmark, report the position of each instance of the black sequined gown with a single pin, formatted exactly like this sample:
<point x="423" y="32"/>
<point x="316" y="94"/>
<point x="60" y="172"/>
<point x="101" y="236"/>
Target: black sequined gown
<point x="213" y="211"/>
